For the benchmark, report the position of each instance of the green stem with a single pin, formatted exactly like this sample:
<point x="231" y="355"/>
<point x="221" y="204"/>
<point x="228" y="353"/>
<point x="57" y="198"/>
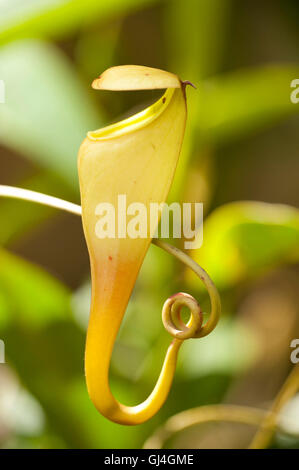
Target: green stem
<point x="201" y="415"/>
<point x="263" y="437"/>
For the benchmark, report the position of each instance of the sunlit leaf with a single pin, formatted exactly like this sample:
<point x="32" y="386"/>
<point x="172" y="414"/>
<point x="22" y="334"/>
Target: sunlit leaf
<point x="56" y="18"/>
<point x="244" y="101"/>
<point x="241" y="239"/>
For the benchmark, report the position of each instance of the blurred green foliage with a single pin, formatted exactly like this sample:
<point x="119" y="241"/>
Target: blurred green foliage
<point x="49" y="52"/>
<point x="253" y="236"/>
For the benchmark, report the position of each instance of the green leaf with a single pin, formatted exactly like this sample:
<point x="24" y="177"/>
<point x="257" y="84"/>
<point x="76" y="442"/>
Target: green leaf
<point x="191" y="26"/>
<point x="244" y="238"/>
<point x="22" y="217"/>
<point x="47" y="111"/>
<point x="244" y="101"/>
<point x="32" y="296"/>
<point x="56" y="18"/>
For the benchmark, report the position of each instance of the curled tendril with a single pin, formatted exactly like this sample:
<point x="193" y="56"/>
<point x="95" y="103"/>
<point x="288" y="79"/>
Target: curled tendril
<point x="173" y="305"/>
<point x="172" y="320"/>
<point x="194" y="329"/>
<point x="170" y="316"/>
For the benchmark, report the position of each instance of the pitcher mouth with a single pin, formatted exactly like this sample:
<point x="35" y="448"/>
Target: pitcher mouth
<point x="135" y="122"/>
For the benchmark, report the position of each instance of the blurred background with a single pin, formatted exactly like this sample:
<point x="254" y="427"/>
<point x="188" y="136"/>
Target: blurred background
<point x="240" y="157"/>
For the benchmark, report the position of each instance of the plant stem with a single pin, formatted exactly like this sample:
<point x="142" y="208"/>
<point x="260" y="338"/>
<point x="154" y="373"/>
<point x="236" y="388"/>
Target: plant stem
<point x="264" y="435"/>
<point x="39" y="198"/>
<point x="202" y="274"/>
<point x="201" y="415"/>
